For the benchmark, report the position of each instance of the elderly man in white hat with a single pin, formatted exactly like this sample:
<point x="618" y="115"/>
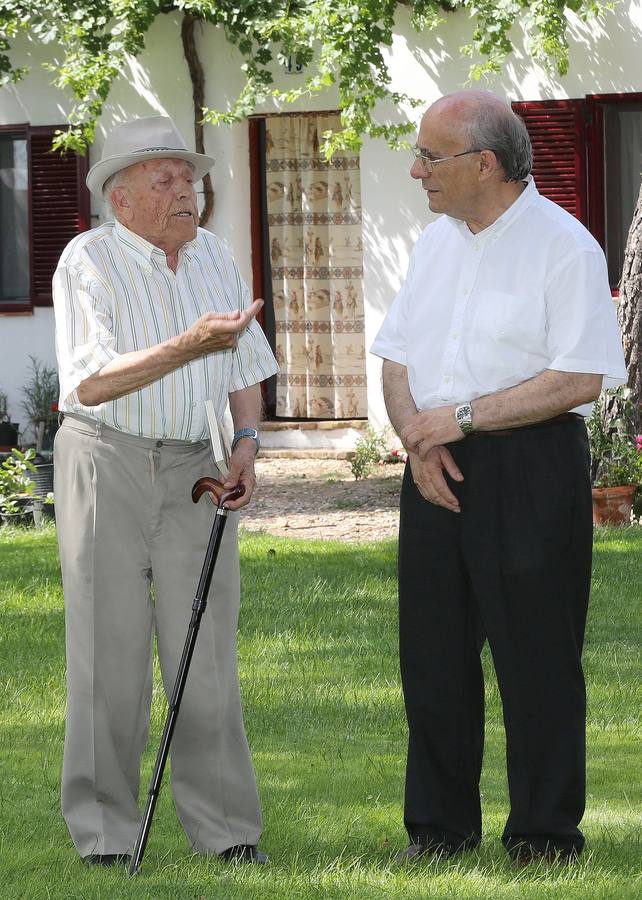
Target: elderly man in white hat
<point x="152" y="319"/>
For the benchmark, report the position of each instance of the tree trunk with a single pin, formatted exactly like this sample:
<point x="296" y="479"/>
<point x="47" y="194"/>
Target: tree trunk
<point x="630" y="310"/>
<point x="198" y="94"/>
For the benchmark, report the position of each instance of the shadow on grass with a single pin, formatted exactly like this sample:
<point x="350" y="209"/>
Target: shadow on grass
<point x="323" y="706"/>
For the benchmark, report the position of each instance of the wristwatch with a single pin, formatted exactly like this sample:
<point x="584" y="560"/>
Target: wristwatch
<point x="464" y="417"/>
<point x="243" y="433"/>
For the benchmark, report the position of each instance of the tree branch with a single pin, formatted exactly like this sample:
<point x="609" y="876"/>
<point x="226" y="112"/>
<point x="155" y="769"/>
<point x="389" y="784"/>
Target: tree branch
<point x="197" y="77"/>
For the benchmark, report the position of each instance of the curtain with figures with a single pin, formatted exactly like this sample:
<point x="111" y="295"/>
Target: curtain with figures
<point x="314" y="223"/>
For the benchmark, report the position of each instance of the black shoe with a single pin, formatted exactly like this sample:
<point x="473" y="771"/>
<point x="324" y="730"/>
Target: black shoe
<point x="246" y="853"/>
<point x="418" y="852"/>
<point x="412" y="853"/>
<point x="529" y="856"/>
<point x="107" y="859"/>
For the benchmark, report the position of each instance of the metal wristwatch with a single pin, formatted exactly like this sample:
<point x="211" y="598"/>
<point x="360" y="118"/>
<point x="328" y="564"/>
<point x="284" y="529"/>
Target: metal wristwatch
<point x="246" y="433"/>
<point x="464" y="417"/>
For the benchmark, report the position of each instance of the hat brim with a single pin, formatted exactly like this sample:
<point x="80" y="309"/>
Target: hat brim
<point x="103" y="170"/>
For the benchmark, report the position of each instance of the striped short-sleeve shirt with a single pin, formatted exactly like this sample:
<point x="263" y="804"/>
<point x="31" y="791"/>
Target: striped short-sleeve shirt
<point x="114" y="293"/>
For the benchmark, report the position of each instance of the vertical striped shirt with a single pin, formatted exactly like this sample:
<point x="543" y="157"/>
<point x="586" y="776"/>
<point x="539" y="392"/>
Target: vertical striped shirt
<point x="114" y="293"/>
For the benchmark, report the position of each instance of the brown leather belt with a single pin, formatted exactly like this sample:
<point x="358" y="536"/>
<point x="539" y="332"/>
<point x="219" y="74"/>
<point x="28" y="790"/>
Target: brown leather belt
<point x="563" y="417"/>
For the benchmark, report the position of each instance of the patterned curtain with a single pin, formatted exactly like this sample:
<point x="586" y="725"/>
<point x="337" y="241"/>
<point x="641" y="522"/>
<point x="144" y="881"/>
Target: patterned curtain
<point x="314" y="222"/>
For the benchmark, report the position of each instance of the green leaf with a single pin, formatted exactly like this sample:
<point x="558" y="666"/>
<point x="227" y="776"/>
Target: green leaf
<point x="339" y="43"/>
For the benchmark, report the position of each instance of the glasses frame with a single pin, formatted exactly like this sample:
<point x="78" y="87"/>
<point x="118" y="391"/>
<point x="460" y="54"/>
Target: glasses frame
<point x="429" y="164"/>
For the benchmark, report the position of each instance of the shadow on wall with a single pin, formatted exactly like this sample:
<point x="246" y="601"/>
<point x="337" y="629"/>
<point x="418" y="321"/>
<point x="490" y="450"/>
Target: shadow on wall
<point x="601" y="53"/>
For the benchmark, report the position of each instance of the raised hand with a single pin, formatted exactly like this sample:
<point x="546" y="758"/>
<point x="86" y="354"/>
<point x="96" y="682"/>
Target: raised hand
<point x="217" y="331"/>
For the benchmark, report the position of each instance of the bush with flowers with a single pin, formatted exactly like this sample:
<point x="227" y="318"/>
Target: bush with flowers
<point x="394" y="456"/>
<point x="372" y="450"/>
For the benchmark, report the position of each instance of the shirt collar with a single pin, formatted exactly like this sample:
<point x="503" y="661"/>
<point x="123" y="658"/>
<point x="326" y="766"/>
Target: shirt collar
<point x="144" y="252"/>
<point x="510" y="215"/>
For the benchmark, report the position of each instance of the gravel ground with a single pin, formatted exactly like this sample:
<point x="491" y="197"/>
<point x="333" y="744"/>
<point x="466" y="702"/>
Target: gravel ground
<point x="320" y="498"/>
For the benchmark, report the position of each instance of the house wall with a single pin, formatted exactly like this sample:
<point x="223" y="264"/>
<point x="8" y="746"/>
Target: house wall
<point x="604" y="58"/>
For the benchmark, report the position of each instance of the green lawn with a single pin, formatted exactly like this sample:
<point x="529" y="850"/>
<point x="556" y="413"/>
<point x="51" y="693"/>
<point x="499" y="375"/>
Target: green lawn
<point x="318" y="656"/>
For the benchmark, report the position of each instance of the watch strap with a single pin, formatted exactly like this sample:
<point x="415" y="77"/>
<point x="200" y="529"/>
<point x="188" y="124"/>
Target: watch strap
<point x="246" y="433"/>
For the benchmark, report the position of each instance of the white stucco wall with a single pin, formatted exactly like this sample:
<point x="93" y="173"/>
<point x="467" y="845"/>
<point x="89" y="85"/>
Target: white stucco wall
<point x="604" y="58"/>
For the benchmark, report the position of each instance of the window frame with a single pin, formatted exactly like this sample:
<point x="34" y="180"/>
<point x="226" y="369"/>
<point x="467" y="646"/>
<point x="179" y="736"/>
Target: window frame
<point x="27" y="131"/>
<point x="21" y="131"/>
<point x="595" y="104"/>
<point x="590" y="199"/>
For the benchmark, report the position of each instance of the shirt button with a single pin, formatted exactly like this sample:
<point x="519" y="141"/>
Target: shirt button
<point x="465" y="291"/>
<point x="447" y="378"/>
<point x="475" y="246"/>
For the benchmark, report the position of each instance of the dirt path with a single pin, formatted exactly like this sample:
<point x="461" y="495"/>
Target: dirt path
<point x="319" y="498"/>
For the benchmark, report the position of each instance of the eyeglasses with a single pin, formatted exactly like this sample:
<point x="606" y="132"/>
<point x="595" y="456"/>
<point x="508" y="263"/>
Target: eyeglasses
<point x="428" y="163"/>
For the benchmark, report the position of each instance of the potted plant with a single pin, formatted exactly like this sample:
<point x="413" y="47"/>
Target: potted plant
<point x="8" y="431"/>
<point x="17" y="488"/>
<point x="616" y="458"/>
<point x="41" y="403"/>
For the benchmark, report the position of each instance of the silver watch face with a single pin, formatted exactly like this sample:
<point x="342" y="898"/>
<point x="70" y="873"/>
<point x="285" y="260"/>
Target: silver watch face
<point x="464" y="416"/>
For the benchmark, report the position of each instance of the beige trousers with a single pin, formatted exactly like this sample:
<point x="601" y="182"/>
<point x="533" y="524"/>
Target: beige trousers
<point x="125" y="522"/>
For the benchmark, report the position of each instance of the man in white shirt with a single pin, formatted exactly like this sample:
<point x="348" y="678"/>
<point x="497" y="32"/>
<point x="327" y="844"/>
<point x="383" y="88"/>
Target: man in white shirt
<point x="152" y="320"/>
<point x="499" y="340"/>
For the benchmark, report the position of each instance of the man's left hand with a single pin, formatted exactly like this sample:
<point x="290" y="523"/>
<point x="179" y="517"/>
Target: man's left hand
<point x="430" y="428"/>
<point x="242" y="472"/>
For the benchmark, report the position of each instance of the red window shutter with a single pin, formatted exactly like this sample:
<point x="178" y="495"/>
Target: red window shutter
<point x="59" y="207"/>
<point x="558" y="135"/>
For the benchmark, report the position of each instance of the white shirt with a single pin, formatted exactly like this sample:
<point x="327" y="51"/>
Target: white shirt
<point x="114" y="293"/>
<point x="479" y="313"/>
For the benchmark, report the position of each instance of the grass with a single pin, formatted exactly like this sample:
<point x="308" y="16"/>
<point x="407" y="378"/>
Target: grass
<point x="318" y="658"/>
<point x="347" y="503"/>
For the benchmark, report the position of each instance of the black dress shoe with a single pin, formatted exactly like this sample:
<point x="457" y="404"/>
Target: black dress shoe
<point x="412" y="853"/>
<point x="107" y="859"/>
<point x="418" y="852"/>
<point x="245" y="853"/>
<point x="529" y="856"/>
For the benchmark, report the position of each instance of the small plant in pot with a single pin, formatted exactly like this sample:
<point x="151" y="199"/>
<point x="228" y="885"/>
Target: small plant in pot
<point x="17" y="488"/>
<point x="616" y="458"/>
<point x="41" y="402"/>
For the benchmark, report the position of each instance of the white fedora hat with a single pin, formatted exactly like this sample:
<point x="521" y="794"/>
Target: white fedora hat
<point x="152" y="137"/>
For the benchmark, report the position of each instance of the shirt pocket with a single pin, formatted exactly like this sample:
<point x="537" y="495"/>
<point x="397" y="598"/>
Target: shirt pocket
<point x="508" y="319"/>
<point x="506" y="330"/>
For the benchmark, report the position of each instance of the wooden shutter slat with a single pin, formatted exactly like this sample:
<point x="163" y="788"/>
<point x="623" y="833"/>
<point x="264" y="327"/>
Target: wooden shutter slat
<point x="59" y="208"/>
<point x="556" y="129"/>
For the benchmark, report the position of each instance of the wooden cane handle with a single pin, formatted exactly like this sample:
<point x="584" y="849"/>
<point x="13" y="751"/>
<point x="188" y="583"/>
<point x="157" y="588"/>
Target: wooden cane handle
<point x="218" y="495"/>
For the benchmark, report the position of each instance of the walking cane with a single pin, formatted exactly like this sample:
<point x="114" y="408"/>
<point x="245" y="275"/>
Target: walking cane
<point x="219" y="496"/>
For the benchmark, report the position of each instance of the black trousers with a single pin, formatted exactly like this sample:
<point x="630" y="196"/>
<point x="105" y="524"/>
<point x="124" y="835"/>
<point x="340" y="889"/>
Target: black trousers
<point x="513" y="567"/>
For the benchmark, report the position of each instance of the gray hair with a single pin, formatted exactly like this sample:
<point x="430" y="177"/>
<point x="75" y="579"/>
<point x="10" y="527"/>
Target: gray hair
<point x="118" y="179"/>
<point x="496" y="127"/>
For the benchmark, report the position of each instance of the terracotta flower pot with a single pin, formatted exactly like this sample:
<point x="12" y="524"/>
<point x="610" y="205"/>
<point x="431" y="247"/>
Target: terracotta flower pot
<point x="612" y="505"/>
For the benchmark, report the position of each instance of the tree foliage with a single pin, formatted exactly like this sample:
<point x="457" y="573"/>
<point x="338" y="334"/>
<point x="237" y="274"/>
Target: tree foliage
<point x="338" y="43"/>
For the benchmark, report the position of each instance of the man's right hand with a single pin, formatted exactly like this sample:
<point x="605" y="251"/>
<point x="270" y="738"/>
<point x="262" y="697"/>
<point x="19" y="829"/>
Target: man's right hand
<point x="217" y="331"/>
<point x="428" y="475"/>
<point x="131" y="371"/>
